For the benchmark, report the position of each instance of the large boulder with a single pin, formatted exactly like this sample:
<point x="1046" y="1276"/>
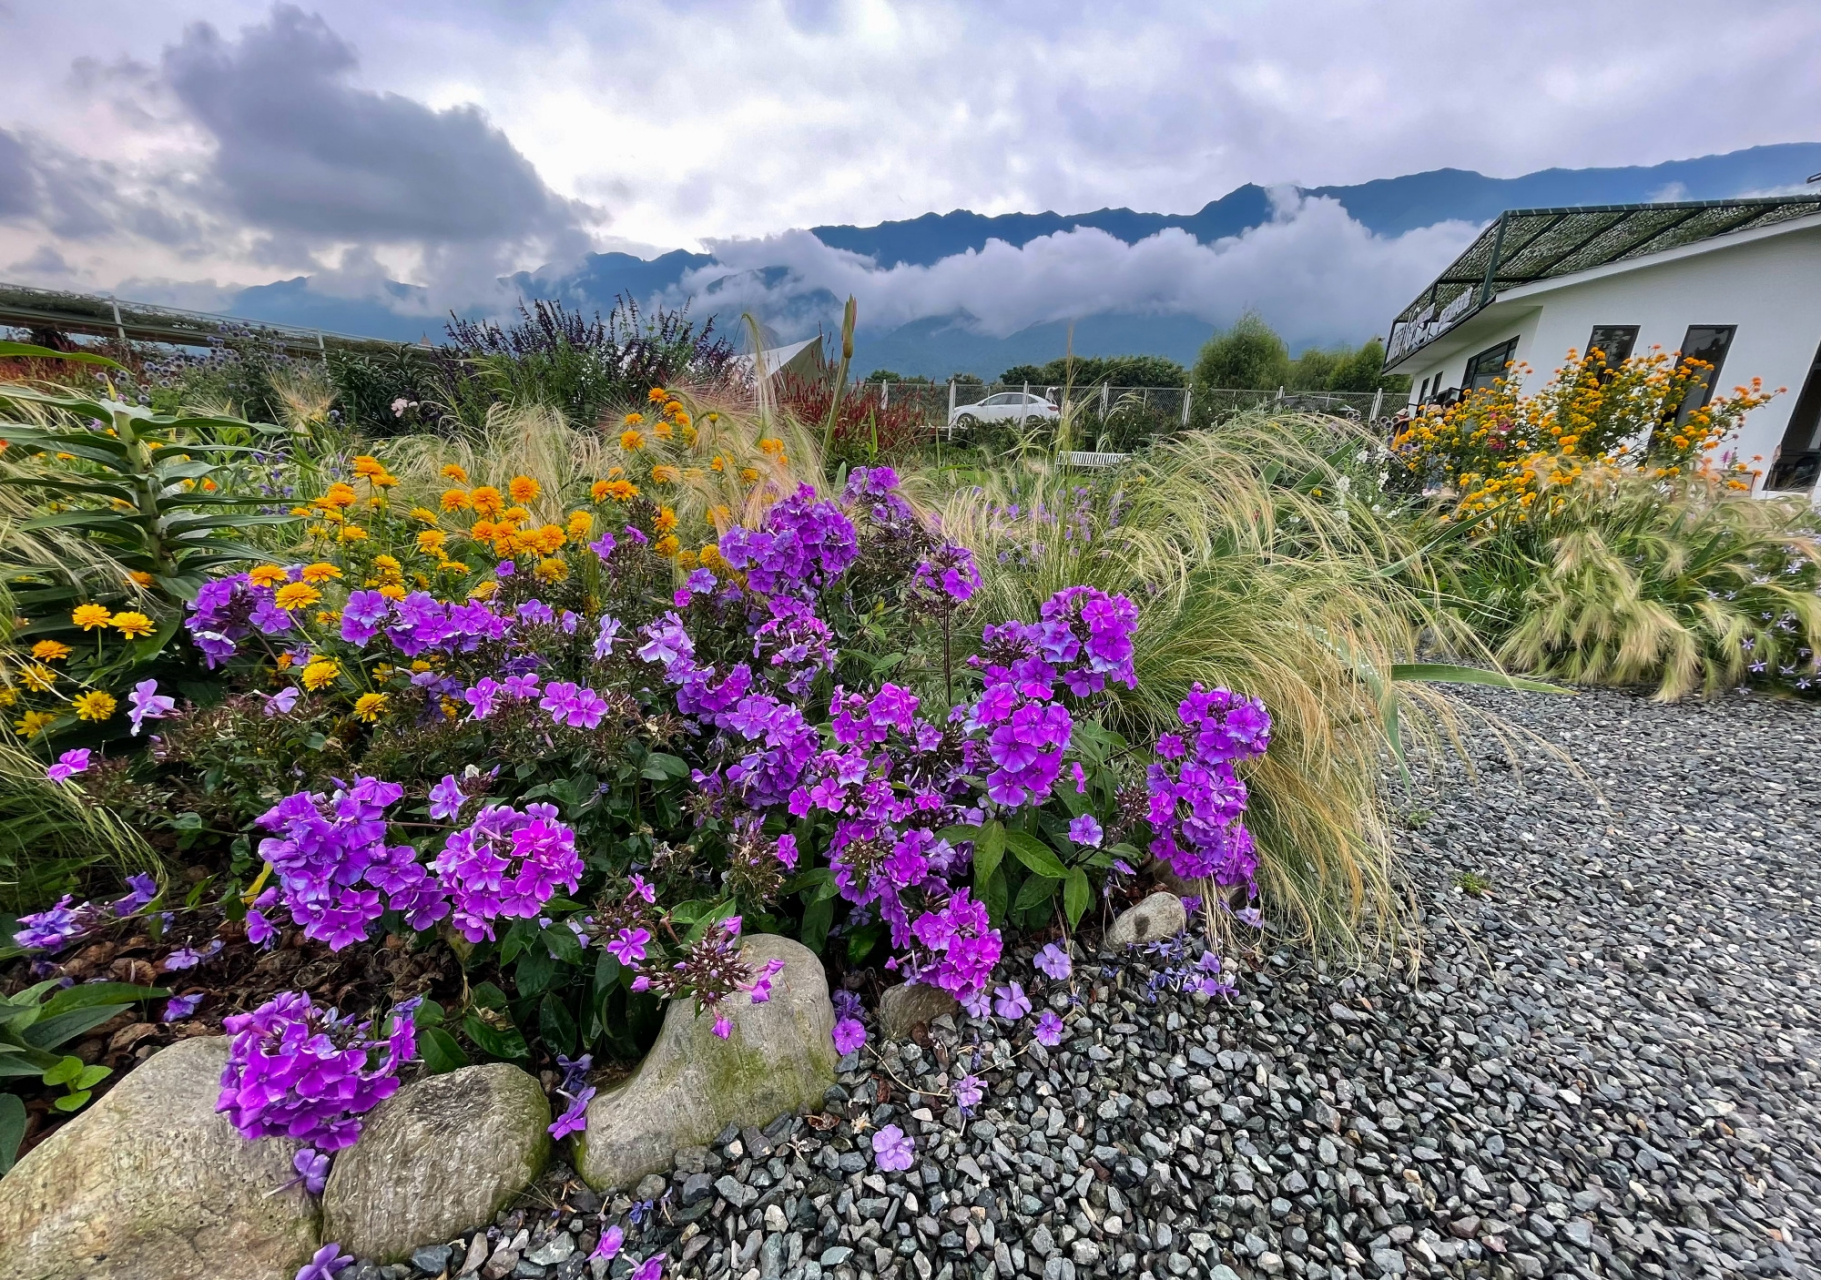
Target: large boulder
<point x="903" y="1006"/>
<point x="779" y="1057"/>
<point x="152" y="1183"/>
<point x="442" y="1154"/>
<point x="1159" y="916"/>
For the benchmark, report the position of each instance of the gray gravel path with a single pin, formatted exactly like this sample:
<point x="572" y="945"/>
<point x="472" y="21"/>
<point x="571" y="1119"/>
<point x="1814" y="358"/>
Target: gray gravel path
<point x="1604" y="1062"/>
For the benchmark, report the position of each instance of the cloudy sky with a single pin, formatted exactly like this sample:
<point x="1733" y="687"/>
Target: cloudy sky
<point x="179" y="148"/>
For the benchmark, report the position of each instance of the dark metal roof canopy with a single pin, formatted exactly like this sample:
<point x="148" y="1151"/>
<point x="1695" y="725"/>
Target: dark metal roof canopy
<point x="24" y="307"/>
<point x="1527" y="245"/>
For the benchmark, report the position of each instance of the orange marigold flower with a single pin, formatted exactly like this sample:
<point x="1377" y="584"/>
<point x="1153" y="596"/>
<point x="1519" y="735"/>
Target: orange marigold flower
<point x="296" y="595"/>
<point x="50" y="650"/>
<point x="392" y="591"/>
<point x="552" y="569"/>
<point x="622" y="490"/>
<point x="90" y="616"/>
<point x="633" y="419"/>
<point x="631" y="440"/>
<point x="488" y="501"/>
<point x="367" y="465"/>
<point x="456" y="500"/>
<point x="452" y="472"/>
<point x="320" y="572"/>
<point x="524" y="489"/>
<point x="666" y="545"/>
<point x="657" y="395"/>
<point x="663" y="474"/>
<point x="139" y="578"/>
<point x="580" y="524"/>
<point x="132" y="625"/>
<point x="598" y="490"/>
<point x="666" y="520"/>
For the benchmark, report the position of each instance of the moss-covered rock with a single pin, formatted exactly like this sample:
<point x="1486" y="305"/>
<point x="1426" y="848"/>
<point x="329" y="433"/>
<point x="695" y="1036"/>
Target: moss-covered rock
<point x="778" y="1058"/>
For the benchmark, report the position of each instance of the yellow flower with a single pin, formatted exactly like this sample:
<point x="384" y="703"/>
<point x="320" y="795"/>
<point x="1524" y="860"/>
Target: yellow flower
<point x="616" y="473"/>
<point x="720" y="515"/>
<point x="133" y="625"/>
<point x="430" y="542"/>
<point x="369" y="466"/>
<point x="772" y="447"/>
<point x="657" y="395"/>
<point x="456" y="499"/>
<point x="423" y="514"/>
<point x="353" y="533"/>
<point x="296" y="595"/>
<point x="663" y="430"/>
<point x="622" y="490"/>
<point x="38" y="677"/>
<point x="392" y="591"/>
<point x="748" y="474"/>
<point x="50" y="650"/>
<point x="515" y="514"/>
<point x="524" y="489"/>
<point x="673" y="407"/>
<point x="552" y="569"/>
<point x="94" y="705"/>
<point x="686" y="559"/>
<point x="717" y="463"/>
<point x="32" y="723"/>
<point x="633" y="419"/>
<point x="667" y="545"/>
<point x="320" y="572"/>
<point x="139" y="578"/>
<point x="581" y="523"/>
<point x="338" y="496"/>
<point x="90" y="616"/>
<point x="386" y="564"/>
<point x="370" y="706"/>
<point x="710" y="556"/>
<point x="487" y="501"/>
<point x="666" y="520"/>
<point x="663" y="474"/>
<point x="598" y="490"/>
<point x="484" y="590"/>
<point x="8" y="697"/>
<point x="455" y="473"/>
<point x="630" y="440"/>
<point x="319" y="673"/>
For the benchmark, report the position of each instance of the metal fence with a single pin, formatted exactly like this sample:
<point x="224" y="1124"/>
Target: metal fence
<point x="946" y="403"/>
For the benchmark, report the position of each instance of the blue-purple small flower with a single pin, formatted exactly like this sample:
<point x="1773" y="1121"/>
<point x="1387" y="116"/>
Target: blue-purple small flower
<point x="894" y="1149"/>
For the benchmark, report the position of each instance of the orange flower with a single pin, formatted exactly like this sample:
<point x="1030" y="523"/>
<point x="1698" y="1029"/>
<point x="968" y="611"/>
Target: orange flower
<point x="455" y="473"/>
<point x="296" y="595"/>
<point x="622" y="490"/>
<point x="456" y="500"/>
<point x="320" y="572"/>
<point x="488" y="501"/>
<point x="524" y="489"/>
<point x="631" y="440"/>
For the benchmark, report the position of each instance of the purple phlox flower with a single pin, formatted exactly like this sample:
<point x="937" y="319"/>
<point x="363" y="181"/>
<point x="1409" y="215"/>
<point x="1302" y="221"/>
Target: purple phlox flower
<point x="723" y="1025"/>
<point x="1251" y="916"/>
<point x="53" y="927"/>
<point x="280" y="703"/>
<point x="629" y="946"/>
<point x="787" y="851"/>
<point x="68" y="765"/>
<point x="180" y="1007"/>
<point x="893" y="1149"/>
<point x="520" y="687"/>
<point x="977" y="1002"/>
<point x="573" y="705"/>
<point x="312" y="1169"/>
<point x="446" y="799"/>
<point x="603" y="546"/>
<point x="1011" y="1003"/>
<point x="1049" y="1029"/>
<point x="642" y="887"/>
<point x="260" y="931"/>
<point x="650" y="1269"/>
<point x="575" y="1116"/>
<point x="1085" y="830"/>
<point x="1054" y="962"/>
<point x="483" y="697"/>
<point x="142" y="888"/>
<point x="537" y="612"/>
<point x="505" y="569"/>
<point x="608" y="637"/>
<point x="1081" y="778"/>
<point x="1191" y="902"/>
<point x="328" y="1260"/>
<point x="611" y="1240"/>
<point x="189" y="957"/>
<point x="849" y="1035"/>
<point x="847" y="1004"/>
<point x="968" y="1092"/>
<point x="760" y="990"/>
<point x="148" y="704"/>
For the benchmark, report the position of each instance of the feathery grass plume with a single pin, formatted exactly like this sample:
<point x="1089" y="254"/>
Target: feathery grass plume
<point x="516" y="440"/>
<point x="1633" y="581"/>
<point x="50" y="834"/>
<point x="1254" y="570"/>
<point x="303" y="395"/>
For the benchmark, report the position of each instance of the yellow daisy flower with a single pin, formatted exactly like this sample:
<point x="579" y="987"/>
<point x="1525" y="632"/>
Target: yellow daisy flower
<point x="133" y="625"/>
<point x="50" y="650"/>
<point x="94" y="705"/>
<point x="90" y="616"/>
<point x="370" y="706"/>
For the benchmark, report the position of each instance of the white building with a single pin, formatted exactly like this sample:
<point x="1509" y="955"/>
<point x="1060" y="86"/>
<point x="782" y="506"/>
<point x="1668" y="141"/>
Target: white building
<point x="1735" y="282"/>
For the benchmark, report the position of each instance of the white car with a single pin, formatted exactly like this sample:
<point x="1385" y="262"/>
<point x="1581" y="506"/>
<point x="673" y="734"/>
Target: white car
<point x="1007" y="406"/>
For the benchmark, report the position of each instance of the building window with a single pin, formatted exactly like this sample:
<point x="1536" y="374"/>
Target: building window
<point x="1799" y="457"/>
<point x="1488" y="365"/>
<point x="1706" y="342"/>
<point x="1614" y="342"/>
<point x="1422" y="392"/>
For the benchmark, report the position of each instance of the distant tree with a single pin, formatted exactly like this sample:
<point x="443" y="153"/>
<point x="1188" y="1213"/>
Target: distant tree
<point x="966" y="379"/>
<point x="1249" y="355"/>
<point x="1364" y="371"/>
<point x="891" y="375"/>
<point x="1314" y="369"/>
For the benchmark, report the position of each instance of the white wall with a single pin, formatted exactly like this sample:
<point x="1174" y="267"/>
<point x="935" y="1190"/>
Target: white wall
<point x="1769" y="287"/>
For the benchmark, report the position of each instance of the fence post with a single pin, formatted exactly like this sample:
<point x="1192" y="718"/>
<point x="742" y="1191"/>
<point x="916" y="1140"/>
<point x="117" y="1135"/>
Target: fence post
<point x="321" y="350"/>
<point x="1103" y="400"/>
<point x="949" y="423"/>
<point x="119" y="328"/>
<point x="1027" y="390"/>
<point x="1187" y="393"/>
<point x="885" y="395"/>
<point x="1378" y="398"/>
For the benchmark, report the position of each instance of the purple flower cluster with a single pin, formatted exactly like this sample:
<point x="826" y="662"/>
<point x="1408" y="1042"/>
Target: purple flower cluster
<point x="792" y="644"/>
<point x="946" y="577"/>
<point x="506" y="864"/>
<point x="1197" y="802"/>
<point x="875" y="491"/>
<point x="801" y="545"/>
<point x="333" y="863"/>
<point x="573" y="705"/>
<point x="956" y="947"/>
<point x="296" y="1071"/>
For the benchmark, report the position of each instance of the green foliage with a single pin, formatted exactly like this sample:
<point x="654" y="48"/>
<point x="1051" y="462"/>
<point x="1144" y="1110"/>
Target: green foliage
<point x="51" y="835"/>
<point x="889" y="375"/>
<point x="37" y="1022"/>
<point x="1249" y="355"/>
<point x="1093" y="371"/>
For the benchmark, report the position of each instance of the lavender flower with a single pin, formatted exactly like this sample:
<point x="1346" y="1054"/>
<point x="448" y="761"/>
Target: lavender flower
<point x="180" y="1007"/>
<point x="68" y="765"/>
<point x="1086" y="831"/>
<point x="1054" y="962"/>
<point x="148" y="704"/>
<point x="189" y="957"/>
<point x="446" y="799"/>
<point x="141" y="889"/>
<point x="968" y="1091"/>
<point x="328" y="1260"/>
<point x="893" y="1149"/>
<point x="1011" y="1003"/>
<point x="280" y="703"/>
<point x="313" y="1168"/>
<point x="849" y="1035"/>
<point x="1049" y="1029"/>
<point x="628" y="947"/>
<point x="611" y="1239"/>
<point x="575" y="1117"/>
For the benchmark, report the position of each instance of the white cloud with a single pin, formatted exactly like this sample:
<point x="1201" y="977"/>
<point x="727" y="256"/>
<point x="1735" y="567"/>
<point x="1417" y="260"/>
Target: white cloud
<point x="1313" y="271"/>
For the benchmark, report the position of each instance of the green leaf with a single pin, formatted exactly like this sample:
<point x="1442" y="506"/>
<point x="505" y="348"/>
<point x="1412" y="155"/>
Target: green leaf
<point x="661" y="766"/>
<point x="507" y="1043"/>
<point x="989" y="849"/>
<point x="993" y="894"/>
<point x="816" y="919"/>
<point x="1036" y="855"/>
<point x="50" y="1033"/>
<point x="12" y="1129"/>
<point x="1037" y="889"/>
<point x="1077" y="896"/>
<point x="429" y="1014"/>
<point x="556" y="1025"/>
<point x="1449" y="673"/>
<point x="861" y="941"/>
<point x="92" y="1076"/>
<point x="489" y="996"/>
<point x="71" y="1101"/>
<point x="535" y="969"/>
<point x="94" y="993"/>
<point x="440" y="1051"/>
<point x="606" y="972"/>
<point x="66" y="1070"/>
<point x="517" y="938"/>
<point x="27" y="350"/>
<point x="561" y="942"/>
